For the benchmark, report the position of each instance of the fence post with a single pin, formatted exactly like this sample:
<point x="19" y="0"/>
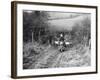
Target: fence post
<point x="32" y="36"/>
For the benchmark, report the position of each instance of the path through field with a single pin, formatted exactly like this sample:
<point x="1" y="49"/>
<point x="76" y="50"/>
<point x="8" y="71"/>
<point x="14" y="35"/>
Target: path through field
<point x="52" y="58"/>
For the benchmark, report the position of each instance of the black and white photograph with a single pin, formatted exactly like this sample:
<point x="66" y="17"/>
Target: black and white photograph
<point x="56" y="39"/>
<point x="53" y="39"/>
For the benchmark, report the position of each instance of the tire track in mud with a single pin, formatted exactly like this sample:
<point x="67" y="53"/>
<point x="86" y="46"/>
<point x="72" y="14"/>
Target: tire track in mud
<point x="46" y="59"/>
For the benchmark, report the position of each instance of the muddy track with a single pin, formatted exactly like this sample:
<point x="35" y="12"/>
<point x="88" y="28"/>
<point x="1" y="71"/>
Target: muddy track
<point x="46" y="59"/>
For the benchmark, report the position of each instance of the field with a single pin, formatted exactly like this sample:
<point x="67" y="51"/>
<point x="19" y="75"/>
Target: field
<point x="39" y="56"/>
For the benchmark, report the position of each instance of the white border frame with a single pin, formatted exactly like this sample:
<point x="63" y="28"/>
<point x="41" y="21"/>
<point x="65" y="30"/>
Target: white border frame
<point x="31" y="72"/>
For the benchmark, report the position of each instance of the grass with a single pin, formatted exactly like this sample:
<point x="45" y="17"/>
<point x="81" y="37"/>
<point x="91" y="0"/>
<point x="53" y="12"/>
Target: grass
<point x="40" y="56"/>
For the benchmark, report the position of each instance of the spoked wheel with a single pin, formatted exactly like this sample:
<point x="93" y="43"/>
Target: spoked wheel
<point x="61" y="49"/>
